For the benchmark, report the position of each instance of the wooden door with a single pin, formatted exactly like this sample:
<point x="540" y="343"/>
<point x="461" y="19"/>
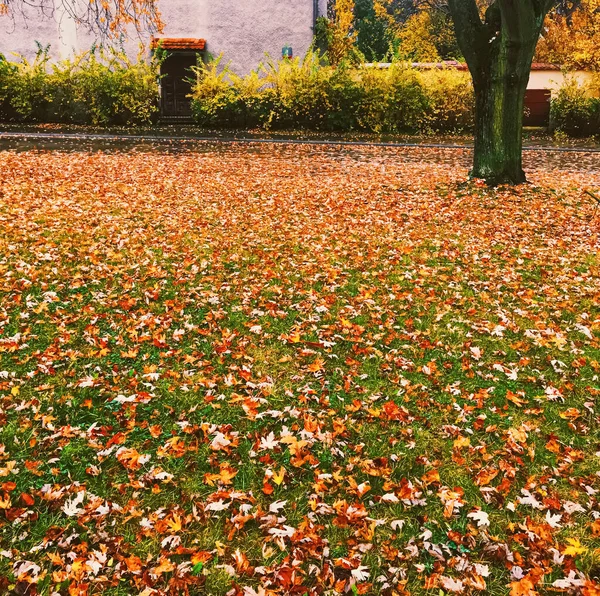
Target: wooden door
<point x="537" y="107"/>
<point x="175" y="84"/>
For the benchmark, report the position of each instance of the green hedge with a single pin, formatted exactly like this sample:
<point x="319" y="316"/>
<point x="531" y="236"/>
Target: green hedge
<point x="106" y="88"/>
<point x="94" y="87"/>
<point x="305" y="94"/>
<point x="575" y="109"/>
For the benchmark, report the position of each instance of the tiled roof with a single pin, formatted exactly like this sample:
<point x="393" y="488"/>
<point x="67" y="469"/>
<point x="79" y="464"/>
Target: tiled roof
<point x="179" y="43"/>
<point x="542" y="66"/>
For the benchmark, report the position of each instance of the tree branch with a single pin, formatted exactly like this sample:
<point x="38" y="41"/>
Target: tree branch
<point x="469" y="30"/>
<point x="107" y="18"/>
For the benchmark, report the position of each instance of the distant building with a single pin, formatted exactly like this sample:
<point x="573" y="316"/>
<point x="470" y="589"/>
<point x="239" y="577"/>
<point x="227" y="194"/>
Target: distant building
<point x="242" y="30"/>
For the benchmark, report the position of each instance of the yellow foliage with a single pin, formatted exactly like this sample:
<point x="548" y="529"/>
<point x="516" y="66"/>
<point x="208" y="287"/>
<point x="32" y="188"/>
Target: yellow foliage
<point x="575" y="548"/>
<point x="343" y="36"/>
<point x="574" y="42"/>
<point x="416" y="40"/>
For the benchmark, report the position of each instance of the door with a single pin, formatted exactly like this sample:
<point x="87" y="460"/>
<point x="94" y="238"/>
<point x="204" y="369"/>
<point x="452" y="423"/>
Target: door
<point x="176" y="85"/>
<point x="537" y="107"/>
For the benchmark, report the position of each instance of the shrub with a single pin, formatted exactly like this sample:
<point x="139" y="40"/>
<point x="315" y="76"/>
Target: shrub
<point x="96" y="87"/>
<point x="298" y="93"/>
<point x="25" y="88"/>
<point x="308" y="94"/>
<point x="393" y="99"/>
<point x="216" y="102"/>
<point x="7" y="75"/>
<point x="575" y="109"/>
<point x="451" y="100"/>
<point x="288" y="94"/>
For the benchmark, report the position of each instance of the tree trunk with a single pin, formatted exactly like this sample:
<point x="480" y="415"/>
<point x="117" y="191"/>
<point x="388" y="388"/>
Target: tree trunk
<point x="499" y="50"/>
<point x="499" y="107"/>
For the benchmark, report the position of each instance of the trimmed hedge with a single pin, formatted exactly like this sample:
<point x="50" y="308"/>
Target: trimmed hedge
<point x="305" y="94"/>
<point x="95" y="87"/>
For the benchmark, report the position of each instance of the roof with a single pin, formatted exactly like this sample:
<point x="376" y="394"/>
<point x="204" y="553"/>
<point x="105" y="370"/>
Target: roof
<point x="459" y="65"/>
<point x="542" y="66"/>
<point x="189" y="44"/>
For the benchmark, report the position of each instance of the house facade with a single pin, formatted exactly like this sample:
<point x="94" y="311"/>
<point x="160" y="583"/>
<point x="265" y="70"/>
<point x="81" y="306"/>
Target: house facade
<point x="243" y="31"/>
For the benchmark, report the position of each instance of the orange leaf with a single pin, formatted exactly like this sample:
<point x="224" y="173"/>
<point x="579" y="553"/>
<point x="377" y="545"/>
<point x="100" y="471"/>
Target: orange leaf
<point x="431" y="477"/>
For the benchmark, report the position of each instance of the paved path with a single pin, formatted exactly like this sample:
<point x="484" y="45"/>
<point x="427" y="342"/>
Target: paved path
<point x="537" y="159"/>
<point x="62" y="136"/>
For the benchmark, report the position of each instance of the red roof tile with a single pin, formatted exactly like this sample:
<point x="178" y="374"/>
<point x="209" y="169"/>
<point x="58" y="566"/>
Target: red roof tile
<point x="179" y="43"/>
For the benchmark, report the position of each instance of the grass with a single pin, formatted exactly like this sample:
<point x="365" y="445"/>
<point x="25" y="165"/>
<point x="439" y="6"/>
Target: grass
<point x="294" y="370"/>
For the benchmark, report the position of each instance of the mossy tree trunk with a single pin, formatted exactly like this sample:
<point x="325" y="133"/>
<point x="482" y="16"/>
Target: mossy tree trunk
<point x="499" y="48"/>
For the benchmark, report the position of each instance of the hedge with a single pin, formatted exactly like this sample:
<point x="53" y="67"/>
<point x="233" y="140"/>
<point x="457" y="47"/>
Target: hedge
<point x="106" y="88"/>
<point x="95" y="87"/>
<point x="305" y="94"/>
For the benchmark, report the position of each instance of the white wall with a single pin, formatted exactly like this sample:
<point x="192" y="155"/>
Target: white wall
<point x="555" y="79"/>
<point x="252" y="28"/>
<point x="243" y="30"/>
<point x="24" y="26"/>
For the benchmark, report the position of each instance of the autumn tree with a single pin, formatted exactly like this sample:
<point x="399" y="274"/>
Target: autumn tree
<point x="338" y="31"/>
<point x="428" y="36"/>
<point x="375" y="30"/>
<point x="572" y="40"/>
<point x="107" y="18"/>
<point x="498" y="39"/>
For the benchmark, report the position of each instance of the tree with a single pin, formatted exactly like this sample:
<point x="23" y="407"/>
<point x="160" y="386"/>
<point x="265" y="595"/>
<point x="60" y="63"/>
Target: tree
<point x="108" y="18"/>
<point x="572" y="40"/>
<point x="499" y="43"/>
<point x="428" y="36"/>
<point x="375" y="33"/>
<point x="336" y="33"/>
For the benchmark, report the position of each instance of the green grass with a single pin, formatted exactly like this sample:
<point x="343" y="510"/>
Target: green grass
<point x="251" y="351"/>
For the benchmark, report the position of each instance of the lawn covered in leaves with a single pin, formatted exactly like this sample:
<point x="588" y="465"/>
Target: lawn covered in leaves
<point x="293" y="370"/>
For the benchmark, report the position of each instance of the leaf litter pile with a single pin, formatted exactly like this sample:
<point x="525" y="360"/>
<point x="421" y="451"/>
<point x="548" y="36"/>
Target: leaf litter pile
<point x="293" y="370"/>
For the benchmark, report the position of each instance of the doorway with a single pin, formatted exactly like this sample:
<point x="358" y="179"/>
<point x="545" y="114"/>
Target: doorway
<point x="176" y="75"/>
<point x="537" y="107"/>
<point x="175" y="84"/>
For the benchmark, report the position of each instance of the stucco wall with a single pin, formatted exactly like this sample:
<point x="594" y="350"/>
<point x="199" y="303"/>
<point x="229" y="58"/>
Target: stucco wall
<point x="242" y="30"/>
<point x="253" y="28"/>
<point x="25" y="26"/>
<point x="555" y="79"/>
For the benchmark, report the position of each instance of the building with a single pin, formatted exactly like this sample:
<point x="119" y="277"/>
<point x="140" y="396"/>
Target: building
<point x="243" y="31"/>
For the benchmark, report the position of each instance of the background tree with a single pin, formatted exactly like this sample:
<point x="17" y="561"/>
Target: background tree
<point x="107" y="18"/>
<point x="403" y="30"/>
<point x="427" y="35"/>
<point x="376" y="35"/>
<point x="572" y="40"/>
<point x="336" y="33"/>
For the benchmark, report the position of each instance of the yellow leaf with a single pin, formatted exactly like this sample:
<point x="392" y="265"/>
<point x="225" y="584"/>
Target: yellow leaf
<point x="462" y="442"/>
<point x="175" y="523"/>
<point x="575" y="548"/>
<point x="295" y="337"/>
<point x="279" y="476"/>
<point x="317" y="365"/>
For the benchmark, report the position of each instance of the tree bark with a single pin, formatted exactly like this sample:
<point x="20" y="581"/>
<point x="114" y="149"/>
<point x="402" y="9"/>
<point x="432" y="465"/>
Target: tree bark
<point x="499" y="51"/>
<point x="499" y="107"/>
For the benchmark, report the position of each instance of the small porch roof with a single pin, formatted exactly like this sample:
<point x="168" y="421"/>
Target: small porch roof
<point x="186" y="44"/>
